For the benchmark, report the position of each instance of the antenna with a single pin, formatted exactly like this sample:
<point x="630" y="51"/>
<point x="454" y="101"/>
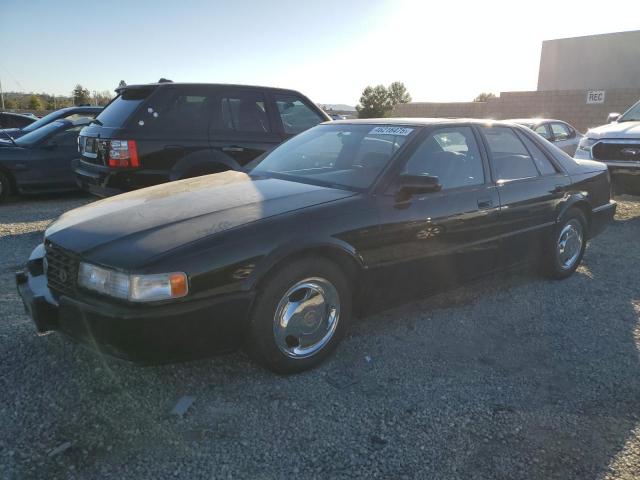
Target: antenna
<point x="1" y="96"/>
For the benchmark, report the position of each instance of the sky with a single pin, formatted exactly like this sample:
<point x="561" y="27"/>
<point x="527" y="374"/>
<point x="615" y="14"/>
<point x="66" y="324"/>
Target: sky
<point x="329" y="50"/>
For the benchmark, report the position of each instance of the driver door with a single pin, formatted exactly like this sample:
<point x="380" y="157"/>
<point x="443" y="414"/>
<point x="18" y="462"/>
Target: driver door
<point x="53" y="159"/>
<point x="428" y="241"/>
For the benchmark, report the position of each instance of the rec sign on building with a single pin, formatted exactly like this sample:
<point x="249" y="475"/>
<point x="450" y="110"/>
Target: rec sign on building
<point x="595" y="96"/>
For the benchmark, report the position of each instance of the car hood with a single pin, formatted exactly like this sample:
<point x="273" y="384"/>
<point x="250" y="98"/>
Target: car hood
<point x="616" y="130"/>
<point x="128" y="230"/>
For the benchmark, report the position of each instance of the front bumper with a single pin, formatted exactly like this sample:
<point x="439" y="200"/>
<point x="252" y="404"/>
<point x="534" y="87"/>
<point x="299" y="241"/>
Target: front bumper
<point x="601" y="217"/>
<point x="142" y="334"/>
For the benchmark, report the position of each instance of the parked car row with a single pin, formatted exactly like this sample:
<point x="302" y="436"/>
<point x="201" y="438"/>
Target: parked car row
<point x="150" y="134"/>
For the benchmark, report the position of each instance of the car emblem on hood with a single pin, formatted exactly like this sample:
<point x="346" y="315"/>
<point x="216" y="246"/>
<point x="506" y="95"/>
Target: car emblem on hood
<point x="631" y="152"/>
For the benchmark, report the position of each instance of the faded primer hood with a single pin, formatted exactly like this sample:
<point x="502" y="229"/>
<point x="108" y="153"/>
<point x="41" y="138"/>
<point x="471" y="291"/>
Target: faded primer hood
<point x="616" y="130"/>
<point x="132" y="228"/>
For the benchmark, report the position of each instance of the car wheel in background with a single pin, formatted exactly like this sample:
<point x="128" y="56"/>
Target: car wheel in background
<point x="5" y="187"/>
<point x="567" y="244"/>
<point x="301" y="313"/>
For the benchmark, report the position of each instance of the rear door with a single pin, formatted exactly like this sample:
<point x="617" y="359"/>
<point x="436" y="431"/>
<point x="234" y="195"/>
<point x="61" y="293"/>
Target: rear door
<point x="242" y="128"/>
<point x="431" y="240"/>
<point x="530" y="187"/>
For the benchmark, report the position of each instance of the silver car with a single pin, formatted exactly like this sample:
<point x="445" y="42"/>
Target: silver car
<point x="560" y="133"/>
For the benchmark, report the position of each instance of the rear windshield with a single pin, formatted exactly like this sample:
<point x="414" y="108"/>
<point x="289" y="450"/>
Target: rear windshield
<point x="120" y="109"/>
<point x="41" y="133"/>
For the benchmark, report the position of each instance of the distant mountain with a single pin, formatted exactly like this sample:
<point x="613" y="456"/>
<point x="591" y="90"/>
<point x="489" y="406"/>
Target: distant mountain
<point x="339" y="107"/>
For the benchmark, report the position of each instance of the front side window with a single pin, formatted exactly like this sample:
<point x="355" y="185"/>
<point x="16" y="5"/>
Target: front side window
<point x="543" y="131"/>
<point x="452" y="155"/>
<point x="343" y="156"/>
<point x="295" y="114"/>
<point x="560" y="131"/>
<point x="631" y="115"/>
<point x="244" y="112"/>
<point x="509" y="157"/>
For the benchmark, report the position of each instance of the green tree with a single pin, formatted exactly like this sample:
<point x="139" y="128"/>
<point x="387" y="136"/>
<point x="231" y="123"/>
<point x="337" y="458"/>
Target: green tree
<point x="80" y="95"/>
<point x="10" y="104"/>
<point x="374" y="102"/>
<point x="398" y="94"/>
<point x="34" y="103"/>
<point x="484" y="96"/>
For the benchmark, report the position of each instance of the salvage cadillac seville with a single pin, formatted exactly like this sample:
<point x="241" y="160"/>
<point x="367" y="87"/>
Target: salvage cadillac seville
<point x="278" y="258"/>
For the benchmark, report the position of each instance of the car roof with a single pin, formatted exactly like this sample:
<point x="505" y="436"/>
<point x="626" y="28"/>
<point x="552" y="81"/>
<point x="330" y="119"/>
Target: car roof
<point x="79" y="109"/>
<point x="533" y="121"/>
<point x="21" y="115"/>
<point x="422" y="121"/>
<point x="189" y="84"/>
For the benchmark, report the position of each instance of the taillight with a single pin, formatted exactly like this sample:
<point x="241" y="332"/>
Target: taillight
<point x="123" y="154"/>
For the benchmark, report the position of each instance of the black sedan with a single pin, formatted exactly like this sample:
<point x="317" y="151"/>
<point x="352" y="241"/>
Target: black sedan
<point x="279" y="257"/>
<point x="70" y="113"/>
<point x="40" y="161"/>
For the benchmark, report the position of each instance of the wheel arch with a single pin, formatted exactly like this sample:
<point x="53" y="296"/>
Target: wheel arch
<point x="343" y="255"/>
<point x="580" y="202"/>
<point x="201" y="159"/>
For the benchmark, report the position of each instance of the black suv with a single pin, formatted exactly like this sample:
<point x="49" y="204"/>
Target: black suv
<point x="155" y="133"/>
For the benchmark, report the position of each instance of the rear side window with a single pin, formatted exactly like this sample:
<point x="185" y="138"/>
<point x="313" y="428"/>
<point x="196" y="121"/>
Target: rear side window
<point x="542" y="162"/>
<point x="244" y="112"/>
<point x="510" y="158"/>
<point x="295" y="114"/>
<point x="180" y="111"/>
<point x="120" y="109"/>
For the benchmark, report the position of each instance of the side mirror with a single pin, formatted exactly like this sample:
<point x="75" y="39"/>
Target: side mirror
<point x="613" y="117"/>
<point x="417" y="184"/>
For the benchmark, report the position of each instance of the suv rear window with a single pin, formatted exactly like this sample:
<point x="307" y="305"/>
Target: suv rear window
<point x="120" y="109"/>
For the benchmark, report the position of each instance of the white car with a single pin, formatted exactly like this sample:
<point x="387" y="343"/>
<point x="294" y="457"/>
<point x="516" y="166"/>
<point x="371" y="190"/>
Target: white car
<point x="617" y="144"/>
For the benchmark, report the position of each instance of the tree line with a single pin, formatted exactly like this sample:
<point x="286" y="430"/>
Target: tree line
<point x="45" y="101"/>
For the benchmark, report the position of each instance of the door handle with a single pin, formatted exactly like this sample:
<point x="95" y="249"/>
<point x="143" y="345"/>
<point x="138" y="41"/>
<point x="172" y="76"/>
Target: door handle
<point x="232" y="148"/>
<point x="485" y="203"/>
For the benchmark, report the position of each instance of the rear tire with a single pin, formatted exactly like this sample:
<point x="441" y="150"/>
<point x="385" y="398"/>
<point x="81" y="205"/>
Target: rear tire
<point x="566" y="245"/>
<point x="301" y="313"/>
<point x="5" y="187"/>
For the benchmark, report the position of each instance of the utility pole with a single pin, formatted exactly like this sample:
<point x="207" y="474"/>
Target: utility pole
<point x="1" y="96"/>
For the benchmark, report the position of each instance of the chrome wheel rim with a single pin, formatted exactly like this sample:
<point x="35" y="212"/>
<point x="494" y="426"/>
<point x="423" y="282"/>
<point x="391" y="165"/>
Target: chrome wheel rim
<point x="306" y="317"/>
<point x="569" y="244"/>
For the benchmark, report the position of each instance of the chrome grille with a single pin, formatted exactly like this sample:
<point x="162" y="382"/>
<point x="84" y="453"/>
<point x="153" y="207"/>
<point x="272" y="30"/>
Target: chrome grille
<point x="61" y="269"/>
<point x="622" y="151"/>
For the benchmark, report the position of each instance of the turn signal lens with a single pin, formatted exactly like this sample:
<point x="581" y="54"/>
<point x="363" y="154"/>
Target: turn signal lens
<point x="179" y="286"/>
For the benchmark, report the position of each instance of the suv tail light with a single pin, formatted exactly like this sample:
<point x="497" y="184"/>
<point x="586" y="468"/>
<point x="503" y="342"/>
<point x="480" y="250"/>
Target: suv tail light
<point x="123" y="154"/>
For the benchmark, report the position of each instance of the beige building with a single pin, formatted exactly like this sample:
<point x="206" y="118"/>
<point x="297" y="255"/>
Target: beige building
<point x="581" y="80"/>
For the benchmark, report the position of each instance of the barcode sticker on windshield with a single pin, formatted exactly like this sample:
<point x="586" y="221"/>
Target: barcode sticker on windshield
<point x="401" y="131"/>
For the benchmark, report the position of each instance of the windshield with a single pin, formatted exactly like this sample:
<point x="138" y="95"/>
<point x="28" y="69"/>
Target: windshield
<point x="631" y="115"/>
<point x="344" y="156"/>
<point x="120" y="109"/>
<point x="41" y="133"/>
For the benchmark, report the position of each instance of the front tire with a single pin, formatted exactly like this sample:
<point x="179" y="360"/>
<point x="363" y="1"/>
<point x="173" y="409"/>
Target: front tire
<point x="301" y="313"/>
<point x="566" y="246"/>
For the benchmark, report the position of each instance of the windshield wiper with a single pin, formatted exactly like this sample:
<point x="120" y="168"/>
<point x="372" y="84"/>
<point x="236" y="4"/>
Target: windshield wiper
<point x="10" y="138"/>
<point x="96" y="121"/>
<point x="629" y="120"/>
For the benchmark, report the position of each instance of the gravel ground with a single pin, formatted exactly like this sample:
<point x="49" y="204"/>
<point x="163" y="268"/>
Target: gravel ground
<point x="511" y="377"/>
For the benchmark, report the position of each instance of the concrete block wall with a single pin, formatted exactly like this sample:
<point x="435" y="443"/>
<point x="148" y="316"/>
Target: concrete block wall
<point x="568" y="105"/>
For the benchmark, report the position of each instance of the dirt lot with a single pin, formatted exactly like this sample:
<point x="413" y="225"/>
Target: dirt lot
<point x="512" y="377"/>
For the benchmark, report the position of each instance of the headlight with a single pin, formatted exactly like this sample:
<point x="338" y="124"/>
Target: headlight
<point x="586" y="144"/>
<point x="135" y="288"/>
